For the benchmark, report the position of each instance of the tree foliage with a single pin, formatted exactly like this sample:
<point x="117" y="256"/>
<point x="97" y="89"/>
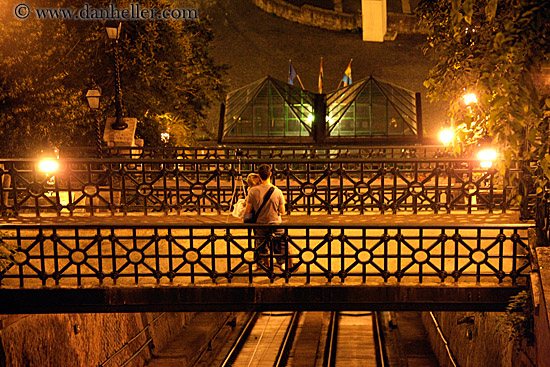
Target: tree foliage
<point x="494" y="49"/>
<point x="47" y="66"/>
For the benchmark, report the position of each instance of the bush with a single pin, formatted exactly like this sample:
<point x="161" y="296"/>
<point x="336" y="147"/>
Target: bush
<point x="518" y="320"/>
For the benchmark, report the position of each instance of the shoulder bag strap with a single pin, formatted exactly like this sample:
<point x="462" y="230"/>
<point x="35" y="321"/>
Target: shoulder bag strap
<point x="266" y="198"/>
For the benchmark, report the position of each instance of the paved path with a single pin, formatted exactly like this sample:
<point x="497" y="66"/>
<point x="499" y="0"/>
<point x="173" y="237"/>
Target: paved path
<point x="392" y="220"/>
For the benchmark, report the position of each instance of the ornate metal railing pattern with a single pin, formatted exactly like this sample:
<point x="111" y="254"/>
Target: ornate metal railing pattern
<point x="91" y="255"/>
<point x="261" y="152"/>
<point x="211" y="185"/>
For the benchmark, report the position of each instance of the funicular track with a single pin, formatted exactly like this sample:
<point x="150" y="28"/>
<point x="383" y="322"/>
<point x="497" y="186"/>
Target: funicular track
<point x="264" y="341"/>
<point x="354" y="339"/>
<point x="271" y="338"/>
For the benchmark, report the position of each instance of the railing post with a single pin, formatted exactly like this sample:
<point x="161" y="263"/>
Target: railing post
<point x="319" y="123"/>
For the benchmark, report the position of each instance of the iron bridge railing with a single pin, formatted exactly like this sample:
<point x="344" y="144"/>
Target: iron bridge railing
<point x="172" y="186"/>
<point x="261" y="152"/>
<point x="133" y="254"/>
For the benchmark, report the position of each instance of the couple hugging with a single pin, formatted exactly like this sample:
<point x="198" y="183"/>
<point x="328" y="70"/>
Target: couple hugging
<point x="265" y="203"/>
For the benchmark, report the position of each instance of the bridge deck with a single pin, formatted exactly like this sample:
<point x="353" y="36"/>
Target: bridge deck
<point x="207" y="265"/>
<point x="375" y="219"/>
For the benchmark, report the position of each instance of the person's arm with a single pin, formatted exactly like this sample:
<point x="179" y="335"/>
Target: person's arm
<point x="248" y="208"/>
<point x="282" y="209"/>
<point x="282" y="204"/>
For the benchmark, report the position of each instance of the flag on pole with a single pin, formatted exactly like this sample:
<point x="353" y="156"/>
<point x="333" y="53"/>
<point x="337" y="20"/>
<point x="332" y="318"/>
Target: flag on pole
<point x="347" y="75"/>
<point x="291" y="74"/>
<point x="321" y="75"/>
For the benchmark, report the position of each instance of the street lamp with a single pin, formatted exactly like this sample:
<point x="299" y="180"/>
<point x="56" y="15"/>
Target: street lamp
<point x="446" y="136"/>
<point x="486" y="157"/>
<point x="469" y="99"/>
<point x="93" y="96"/>
<point x="113" y="31"/>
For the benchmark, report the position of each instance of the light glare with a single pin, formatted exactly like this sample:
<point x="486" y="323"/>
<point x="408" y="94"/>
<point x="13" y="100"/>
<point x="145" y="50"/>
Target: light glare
<point x="48" y="165"/>
<point x="487" y="157"/>
<point x="470" y="98"/>
<point x="446" y="136"/>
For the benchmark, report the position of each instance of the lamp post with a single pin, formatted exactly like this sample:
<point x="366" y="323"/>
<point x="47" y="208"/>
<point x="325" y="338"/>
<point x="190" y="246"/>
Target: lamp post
<point x="113" y="31"/>
<point x="93" y="96"/>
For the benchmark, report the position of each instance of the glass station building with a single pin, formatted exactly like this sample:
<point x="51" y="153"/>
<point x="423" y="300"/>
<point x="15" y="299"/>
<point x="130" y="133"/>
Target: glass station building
<point x="369" y="111"/>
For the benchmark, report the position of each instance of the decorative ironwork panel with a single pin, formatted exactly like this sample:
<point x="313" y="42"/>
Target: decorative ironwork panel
<point x="224" y="253"/>
<point x="173" y="186"/>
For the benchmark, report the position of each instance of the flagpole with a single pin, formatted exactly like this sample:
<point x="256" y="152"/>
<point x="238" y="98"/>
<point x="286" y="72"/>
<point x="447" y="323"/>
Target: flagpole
<point x="321" y="75"/>
<point x="298" y="76"/>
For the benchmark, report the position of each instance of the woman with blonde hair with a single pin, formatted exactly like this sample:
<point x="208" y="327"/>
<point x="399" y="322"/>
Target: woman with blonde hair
<point x="252" y="180"/>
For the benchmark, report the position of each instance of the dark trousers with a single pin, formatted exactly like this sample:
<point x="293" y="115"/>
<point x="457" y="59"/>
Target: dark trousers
<point x="270" y="241"/>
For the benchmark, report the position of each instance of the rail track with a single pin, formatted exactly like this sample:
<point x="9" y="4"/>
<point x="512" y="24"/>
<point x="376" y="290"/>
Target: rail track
<point x="302" y="339"/>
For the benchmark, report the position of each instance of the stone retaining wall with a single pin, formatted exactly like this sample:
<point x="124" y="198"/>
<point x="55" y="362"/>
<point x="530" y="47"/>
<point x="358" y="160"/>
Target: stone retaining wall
<point x="332" y="20"/>
<point x="84" y="339"/>
<point x="478" y="339"/>
<point x="476" y="343"/>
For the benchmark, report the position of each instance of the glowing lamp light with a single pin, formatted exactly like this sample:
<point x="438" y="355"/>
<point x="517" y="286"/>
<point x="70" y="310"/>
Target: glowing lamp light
<point x="48" y="165"/>
<point x="446" y="136"/>
<point x="487" y="157"/>
<point x="469" y="99"/>
<point x="164" y="137"/>
<point x="310" y="118"/>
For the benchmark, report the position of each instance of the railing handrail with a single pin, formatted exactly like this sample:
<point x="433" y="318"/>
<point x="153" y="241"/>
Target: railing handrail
<point x="289" y="224"/>
<point x="261" y="147"/>
<point x="248" y="160"/>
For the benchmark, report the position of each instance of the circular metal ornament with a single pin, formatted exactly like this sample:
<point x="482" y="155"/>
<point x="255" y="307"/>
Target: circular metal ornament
<point x="192" y="256"/>
<point x="421" y="256"/>
<point x="308" y="256"/>
<point x="135" y="256"/>
<point x="78" y="257"/>
<point x="364" y="256"/>
<point x="478" y="256"/>
<point x="20" y="258"/>
<point x="308" y="189"/>
<point x="197" y="189"/>
<point x="249" y="256"/>
<point x="361" y="189"/>
<point x="90" y="190"/>
<point x="145" y="189"/>
<point x="470" y="188"/>
<point x="35" y="189"/>
<point x="416" y="188"/>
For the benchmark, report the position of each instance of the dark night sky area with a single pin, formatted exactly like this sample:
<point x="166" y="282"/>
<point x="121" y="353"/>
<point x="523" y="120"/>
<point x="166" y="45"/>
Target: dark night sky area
<point x="255" y="44"/>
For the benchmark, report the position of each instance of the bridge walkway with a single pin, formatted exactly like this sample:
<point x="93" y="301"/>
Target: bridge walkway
<point x="192" y="262"/>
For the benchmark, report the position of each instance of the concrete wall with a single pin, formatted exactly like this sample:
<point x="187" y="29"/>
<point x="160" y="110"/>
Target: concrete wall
<point x="540" y="288"/>
<point x="333" y="20"/>
<point x="481" y="343"/>
<point x="83" y="339"/>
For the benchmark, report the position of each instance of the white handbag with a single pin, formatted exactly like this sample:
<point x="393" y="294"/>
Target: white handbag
<point x="238" y="209"/>
<point x="240" y="205"/>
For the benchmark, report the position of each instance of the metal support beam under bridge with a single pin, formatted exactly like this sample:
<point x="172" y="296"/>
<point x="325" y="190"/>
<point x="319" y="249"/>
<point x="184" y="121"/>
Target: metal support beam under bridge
<point x="256" y="298"/>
